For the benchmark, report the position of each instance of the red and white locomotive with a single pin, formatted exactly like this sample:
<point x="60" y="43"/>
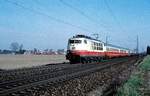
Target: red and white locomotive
<point x="83" y="49"/>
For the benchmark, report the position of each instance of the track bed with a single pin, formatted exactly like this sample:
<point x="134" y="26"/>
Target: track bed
<point x="37" y="80"/>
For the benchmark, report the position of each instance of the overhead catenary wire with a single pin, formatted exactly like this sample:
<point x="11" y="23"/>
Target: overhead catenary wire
<point x="99" y="24"/>
<point x="77" y="10"/>
<point x="39" y="5"/>
<point x="46" y="15"/>
<point x="82" y="13"/>
<point x="113" y="15"/>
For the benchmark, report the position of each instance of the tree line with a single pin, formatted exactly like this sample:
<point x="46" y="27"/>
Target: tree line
<point x="16" y="48"/>
<point x="148" y="50"/>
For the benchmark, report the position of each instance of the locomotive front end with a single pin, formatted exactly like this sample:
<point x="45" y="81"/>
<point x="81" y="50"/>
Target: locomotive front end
<point x="74" y="45"/>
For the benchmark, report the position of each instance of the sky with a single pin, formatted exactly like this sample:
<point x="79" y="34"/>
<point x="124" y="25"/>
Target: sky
<point x="48" y="24"/>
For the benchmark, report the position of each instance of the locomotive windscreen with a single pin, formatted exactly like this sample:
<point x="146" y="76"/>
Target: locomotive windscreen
<point x="74" y="41"/>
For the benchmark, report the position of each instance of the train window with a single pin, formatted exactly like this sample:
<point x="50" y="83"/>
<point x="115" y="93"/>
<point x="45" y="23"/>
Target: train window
<point x="94" y="47"/>
<point x="74" y="41"/>
<point x="77" y="41"/>
<point x="71" y="41"/>
<point x="100" y="46"/>
<point x="85" y="41"/>
<point x="97" y="46"/>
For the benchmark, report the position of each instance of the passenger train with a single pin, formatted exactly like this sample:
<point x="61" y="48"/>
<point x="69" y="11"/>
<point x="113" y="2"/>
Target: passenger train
<point x="84" y="49"/>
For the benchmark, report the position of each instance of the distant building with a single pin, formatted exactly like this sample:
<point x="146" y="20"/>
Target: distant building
<point x="61" y="51"/>
<point x="6" y="52"/>
<point x="46" y="52"/>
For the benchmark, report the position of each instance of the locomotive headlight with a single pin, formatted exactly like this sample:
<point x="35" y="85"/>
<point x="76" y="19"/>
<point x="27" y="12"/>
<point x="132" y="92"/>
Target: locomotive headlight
<point x="73" y="48"/>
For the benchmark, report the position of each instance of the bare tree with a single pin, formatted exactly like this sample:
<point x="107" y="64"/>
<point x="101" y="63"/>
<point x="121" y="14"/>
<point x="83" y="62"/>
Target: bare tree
<point x="46" y="50"/>
<point x="14" y="46"/>
<point x="35" y="51"/>
<point x="21" y="47"/>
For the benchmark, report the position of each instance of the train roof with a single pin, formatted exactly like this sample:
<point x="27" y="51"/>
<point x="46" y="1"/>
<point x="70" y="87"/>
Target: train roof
<point x="116" y="46"/>
<point x="87" y="37"/>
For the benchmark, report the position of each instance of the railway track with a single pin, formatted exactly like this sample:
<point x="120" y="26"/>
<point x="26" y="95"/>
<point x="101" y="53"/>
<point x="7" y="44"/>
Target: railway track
<point x="22" y="73"/>
<point x="27" y="82"/>
<point x="6" y="75"/>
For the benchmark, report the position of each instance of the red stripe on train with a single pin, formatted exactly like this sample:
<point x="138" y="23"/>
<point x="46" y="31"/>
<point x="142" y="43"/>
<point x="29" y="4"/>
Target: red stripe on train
<point x="92" y="53"/>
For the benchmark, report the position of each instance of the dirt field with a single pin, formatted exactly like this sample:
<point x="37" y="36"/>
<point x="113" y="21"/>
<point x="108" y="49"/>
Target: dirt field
<point x="20" y="61"/>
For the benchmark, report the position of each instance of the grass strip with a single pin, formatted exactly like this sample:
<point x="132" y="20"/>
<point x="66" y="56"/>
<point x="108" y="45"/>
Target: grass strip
<point x="132" y="86"/>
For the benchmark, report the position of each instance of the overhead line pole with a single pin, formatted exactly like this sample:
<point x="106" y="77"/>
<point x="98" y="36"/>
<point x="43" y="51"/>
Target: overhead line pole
<point x="106" y="40"/>
<point x="96" y="35"/>
<point x="137" y="47"/>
